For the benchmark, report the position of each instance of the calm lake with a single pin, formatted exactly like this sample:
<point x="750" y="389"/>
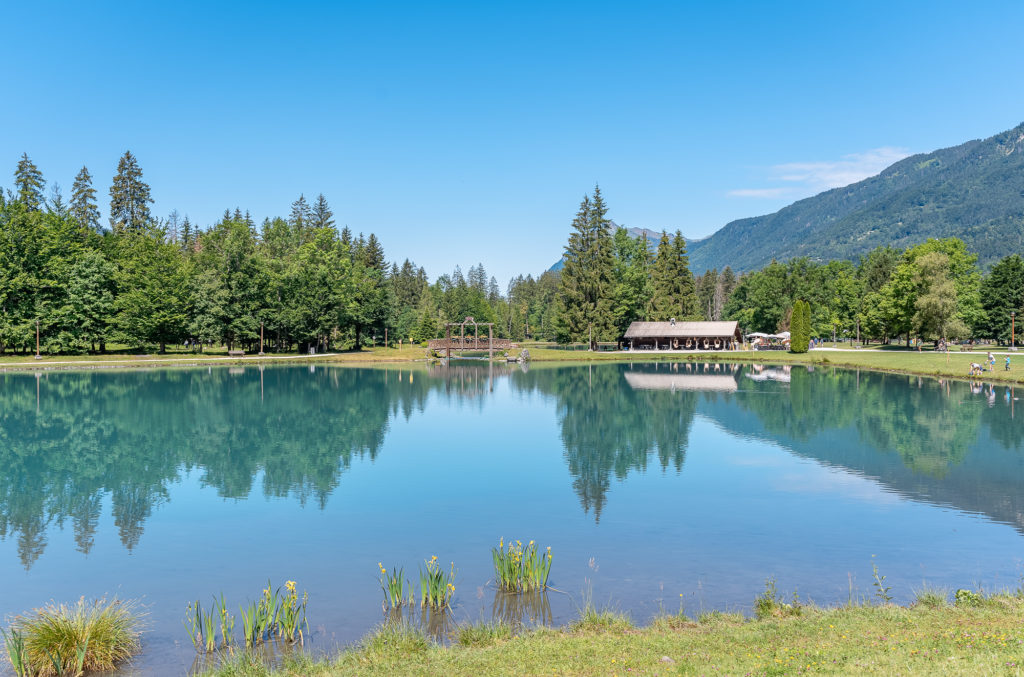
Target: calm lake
<point x="654" y="484"/>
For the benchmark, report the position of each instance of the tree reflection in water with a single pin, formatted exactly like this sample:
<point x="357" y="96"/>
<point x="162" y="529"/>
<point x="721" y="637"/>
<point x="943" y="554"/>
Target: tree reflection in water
<point x="70" y="441"/>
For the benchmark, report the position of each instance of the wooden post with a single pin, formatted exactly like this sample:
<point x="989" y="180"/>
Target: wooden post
<point x="261" y="352"/>
<point x="448" y="341"/>
<point x="385" y="337"/>
<point x="490" y="344"/>
<point x="38" y="356"/>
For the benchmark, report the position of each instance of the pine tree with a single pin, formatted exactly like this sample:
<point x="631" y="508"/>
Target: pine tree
<point x="323" y="217"/>
<point x="129" y="197"/>
<point x="28" y="182"/>
<point x="83" y="201"/>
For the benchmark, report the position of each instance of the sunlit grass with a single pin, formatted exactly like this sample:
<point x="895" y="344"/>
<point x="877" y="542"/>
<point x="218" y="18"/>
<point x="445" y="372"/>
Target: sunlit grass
<point x="869" y="639"/>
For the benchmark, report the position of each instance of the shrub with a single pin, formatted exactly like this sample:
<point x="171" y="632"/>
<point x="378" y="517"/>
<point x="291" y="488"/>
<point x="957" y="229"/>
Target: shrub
<point x="769" y="603"/>
<point x="968" y="598"/>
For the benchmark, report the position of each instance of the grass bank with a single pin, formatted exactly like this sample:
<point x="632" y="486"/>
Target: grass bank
<point x="953" y="365"/>
<point x="985" y="637"/>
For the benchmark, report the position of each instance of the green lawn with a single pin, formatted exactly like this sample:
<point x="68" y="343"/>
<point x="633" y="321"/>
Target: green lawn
<point x="927" y="363"/>
<point x="881" y="640"/>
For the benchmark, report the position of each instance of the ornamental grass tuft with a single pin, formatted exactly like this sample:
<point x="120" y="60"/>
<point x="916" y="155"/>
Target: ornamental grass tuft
<point x="62" y="639"/>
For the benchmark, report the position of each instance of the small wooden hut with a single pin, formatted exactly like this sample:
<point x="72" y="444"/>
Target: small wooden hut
<point x="674" y="335"/>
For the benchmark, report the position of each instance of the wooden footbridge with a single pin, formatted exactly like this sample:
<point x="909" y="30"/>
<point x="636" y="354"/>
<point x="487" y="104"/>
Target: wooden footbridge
<point x="474" y="342"/>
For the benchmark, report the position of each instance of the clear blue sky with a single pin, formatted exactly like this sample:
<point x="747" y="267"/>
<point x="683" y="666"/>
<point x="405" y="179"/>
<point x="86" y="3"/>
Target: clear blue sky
<point x="468" y="132"/>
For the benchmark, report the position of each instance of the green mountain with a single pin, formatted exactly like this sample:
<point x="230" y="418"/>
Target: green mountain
<point x="974" y="191"/>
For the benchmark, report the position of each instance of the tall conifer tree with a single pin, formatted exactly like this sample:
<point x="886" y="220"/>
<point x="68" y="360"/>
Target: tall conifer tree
<point x="323" y="217"/>
<point x="674" y="291"/>
<point x="28" y="183"/>
<point x="586" y="290"/>
<point x="83" y="201"/>
<point x="129" y="197"/>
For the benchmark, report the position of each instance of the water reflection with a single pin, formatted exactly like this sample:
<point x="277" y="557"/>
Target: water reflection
<point x="70" y="442"/>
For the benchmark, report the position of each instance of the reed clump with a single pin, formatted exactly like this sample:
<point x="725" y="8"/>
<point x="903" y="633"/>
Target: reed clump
<point x="71" y="639"/>
<point x="277" y="614"/>
<point x="396" y="587"/>
<point x="437" y="586"/>
<point x="519" y="568"/>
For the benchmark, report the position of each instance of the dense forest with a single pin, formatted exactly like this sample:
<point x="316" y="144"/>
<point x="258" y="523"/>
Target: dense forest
<point x="139" y="281"/>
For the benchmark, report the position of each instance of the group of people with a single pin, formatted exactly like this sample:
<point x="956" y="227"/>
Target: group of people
<point x="977" y="369"/>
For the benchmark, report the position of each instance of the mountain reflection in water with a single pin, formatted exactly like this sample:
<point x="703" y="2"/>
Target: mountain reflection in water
<point x="68" y="441"/>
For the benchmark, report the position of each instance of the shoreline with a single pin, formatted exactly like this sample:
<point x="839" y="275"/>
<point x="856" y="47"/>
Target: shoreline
<point x="911" y="363"/>
<point x="978" y="634"/>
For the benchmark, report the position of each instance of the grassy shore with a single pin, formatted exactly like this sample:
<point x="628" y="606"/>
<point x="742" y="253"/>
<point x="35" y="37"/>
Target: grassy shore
<point x="954" y="364"/>
<point x="933" y="638"/>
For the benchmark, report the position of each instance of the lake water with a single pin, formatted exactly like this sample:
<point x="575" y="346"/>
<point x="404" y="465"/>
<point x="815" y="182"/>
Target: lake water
<point x="655" y="485"/>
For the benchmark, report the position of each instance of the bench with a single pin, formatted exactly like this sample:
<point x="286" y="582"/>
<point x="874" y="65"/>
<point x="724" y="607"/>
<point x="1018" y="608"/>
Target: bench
<point x="236" y="353"/>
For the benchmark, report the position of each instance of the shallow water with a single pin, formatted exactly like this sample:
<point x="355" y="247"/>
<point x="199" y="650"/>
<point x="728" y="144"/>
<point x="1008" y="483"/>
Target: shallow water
<point x="656" y="485"/>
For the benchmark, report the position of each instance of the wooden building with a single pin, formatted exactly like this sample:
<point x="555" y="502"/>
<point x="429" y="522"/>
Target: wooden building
<point x="674" y="335"/>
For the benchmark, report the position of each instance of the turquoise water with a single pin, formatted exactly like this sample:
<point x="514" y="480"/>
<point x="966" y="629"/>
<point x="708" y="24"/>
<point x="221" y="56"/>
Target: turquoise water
<point x="655" y="485"/>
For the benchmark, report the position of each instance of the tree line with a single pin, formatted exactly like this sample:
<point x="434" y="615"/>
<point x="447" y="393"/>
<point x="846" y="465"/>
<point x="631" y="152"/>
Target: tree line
<point x="142" y="281"/>
<point x="302" y="282"/>
<point x="931" y="291"/>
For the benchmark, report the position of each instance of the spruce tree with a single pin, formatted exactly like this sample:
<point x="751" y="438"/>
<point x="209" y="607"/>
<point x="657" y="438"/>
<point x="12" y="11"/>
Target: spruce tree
<point x="586" y="290"/>
<point x="56" y="204"/>
<point x="323" y="217"/>
<point x="28" y="183"/>
<point x="674" y="292"/>
<point x="301" y="215"/>
<point x="83" y="201"/>
<point x="129" y="197"/>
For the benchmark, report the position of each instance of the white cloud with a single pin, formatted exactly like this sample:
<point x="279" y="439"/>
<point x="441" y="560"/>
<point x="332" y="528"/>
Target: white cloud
<point x="802" y="179"/>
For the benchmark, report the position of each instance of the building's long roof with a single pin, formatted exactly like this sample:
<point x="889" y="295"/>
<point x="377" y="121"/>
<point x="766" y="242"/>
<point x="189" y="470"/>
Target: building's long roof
<point x="681" y="329"/>
<point x="720" y="382"/>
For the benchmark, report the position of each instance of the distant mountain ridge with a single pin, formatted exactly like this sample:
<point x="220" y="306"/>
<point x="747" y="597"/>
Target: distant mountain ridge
<point x="974" y="191"/>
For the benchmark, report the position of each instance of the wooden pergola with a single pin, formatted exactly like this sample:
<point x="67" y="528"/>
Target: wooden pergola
<point x="462" y="342"/>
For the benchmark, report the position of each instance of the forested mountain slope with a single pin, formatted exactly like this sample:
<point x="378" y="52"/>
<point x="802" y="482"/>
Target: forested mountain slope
<point x="974" y="191"/>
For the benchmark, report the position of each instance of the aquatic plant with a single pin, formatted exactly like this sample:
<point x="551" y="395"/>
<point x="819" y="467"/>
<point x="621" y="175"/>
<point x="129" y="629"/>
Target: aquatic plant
<point x="521" y="569"/>
<point x="291" y="614"/>
<point x="397" y="589"/>
<point x="61" y="639"/>
<point x="227" y="621"/>
<point x="14" y="645"/>
<point x="201" y="627"/>
<point x="881" y="589"/>
<point x="437" y="586"/>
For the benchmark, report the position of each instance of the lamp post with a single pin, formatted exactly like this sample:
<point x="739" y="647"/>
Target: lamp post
<point x="261" y="339"/>
<point x="38" y="356"/>
<point x="1013" y="317"/>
